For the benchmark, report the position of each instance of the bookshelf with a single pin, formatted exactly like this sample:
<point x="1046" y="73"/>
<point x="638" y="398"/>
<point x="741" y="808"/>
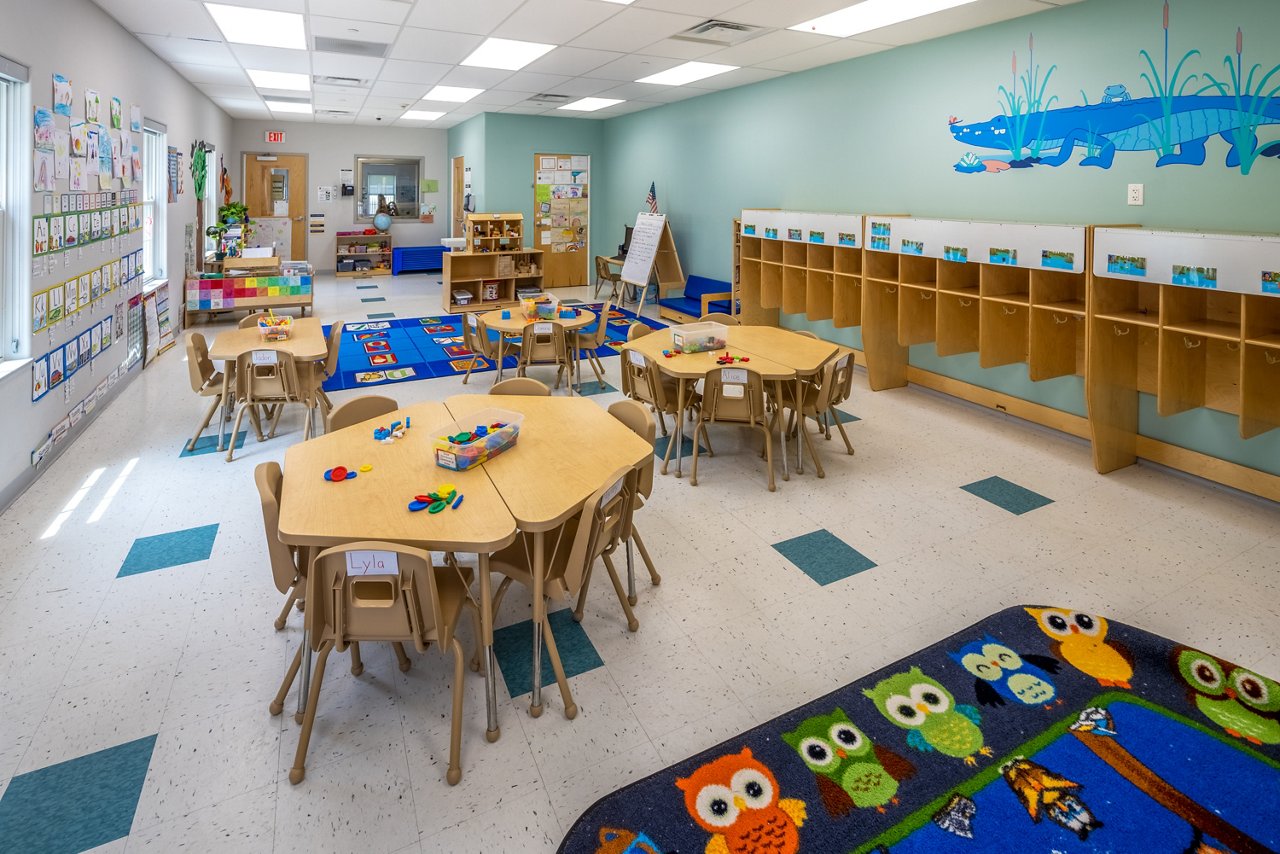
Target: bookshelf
<point x="360" y="255"/>
<point x="494" y="232"/>
<point x="490" y="280"/>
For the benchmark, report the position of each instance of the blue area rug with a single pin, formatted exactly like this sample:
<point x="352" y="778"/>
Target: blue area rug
<point x="1037" y="729"/>
<point x="378" y="352"/>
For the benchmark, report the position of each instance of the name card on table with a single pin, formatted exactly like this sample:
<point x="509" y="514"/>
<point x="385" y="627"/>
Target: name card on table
<point x="266" y="357"/>
<point x="373" y="563"/>
<point x="542" y="329"/>
<point x="636" y="357"/>
<point x="734" y="375"/>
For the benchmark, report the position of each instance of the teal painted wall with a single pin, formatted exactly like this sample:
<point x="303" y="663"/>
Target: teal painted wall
<point x="467" y="141"/>
<point x="871" y="135"/>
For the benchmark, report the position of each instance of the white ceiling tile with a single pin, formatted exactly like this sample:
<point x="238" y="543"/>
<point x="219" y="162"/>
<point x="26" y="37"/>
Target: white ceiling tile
<point x="273" y="5"/>
<point x="499" y="98"/>
<point x="525" y="109"/>
<point x="680" y="49"/>
<point x="334" y="120"/>
<point x="192" y="52"/>
<point x="956" y="20"/>
<point x="405" y="71"/>
<point x="337" y="102"/>
<point x="228" y="75"/>
<point x="466" y="111"/>
<point x="571" y="61"/>
<point x="740" y="77"/>
<point x="555" y="22"/>
<point x="632" y="29"/>
<point x="379" y="11"/>
<point x="245" y="93"/>
<point x="462" y="16"/>
<point x="364" y="31"/>
<point x="583" y="86"/>
<point x="650" y="92"/>
<point x="434" y="46"/>
<point x="526" y="81"/>
<point x="705" y="8"/>
<point x="383" y="102"/>
<point x="240" y="104"/>
<point x="179" y="18"/>
<point x="345" y="65"/>
<point x="475" y="78"/>
<point x="446" y="123"/>
<point x="273" y="58"/>
<point x="768" y="46"/>
<point x="837" y="51"/>
<point x="633" y="66"/>
<point x="770" y="13"/>
<point x="626" y="107"/>
<point x="391" y="89"/>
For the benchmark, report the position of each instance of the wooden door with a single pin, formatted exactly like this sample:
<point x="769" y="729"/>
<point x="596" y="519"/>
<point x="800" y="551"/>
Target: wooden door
<point x="275" y="185"/>
<point x="459" y="196"/>
<point x="561" y="217"/>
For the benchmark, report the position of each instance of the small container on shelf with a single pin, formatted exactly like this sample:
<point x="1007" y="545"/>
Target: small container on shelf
<point x="699" y="337"/>
<point x="477" y="438"/>
<point x="461" y="297"/>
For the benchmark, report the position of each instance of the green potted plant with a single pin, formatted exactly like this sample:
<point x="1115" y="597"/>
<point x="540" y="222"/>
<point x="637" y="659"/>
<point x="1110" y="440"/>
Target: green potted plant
<point x="217" y="232"/>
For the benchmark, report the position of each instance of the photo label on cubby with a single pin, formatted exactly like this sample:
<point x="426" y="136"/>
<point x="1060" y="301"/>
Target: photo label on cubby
<point x="1126" y="265"/>
<point x="1195" y="277"/>
<point x="1057" y="260"/>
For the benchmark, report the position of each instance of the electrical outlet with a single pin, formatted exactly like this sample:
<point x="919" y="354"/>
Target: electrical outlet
<point x="1135" y="194"/>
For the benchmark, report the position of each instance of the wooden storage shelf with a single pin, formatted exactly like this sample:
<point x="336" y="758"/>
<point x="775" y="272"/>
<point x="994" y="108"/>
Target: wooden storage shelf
<point x="354" y="246"/>
<point x="1010" y="299"/>
<point x="795" y="254"/>
<point x="848" y="260"/>
<point x="921" y="272"/>
<point x="1271" y="342"/>
<point x="771" y="251"/>
<point x="1208" y="313"/>
<point x="1262" y="320"/>
<point x="917" y="314"/>
<point x="820" y="295"/>
<point x="482" y="274"/>
<point x="1013" y="284"/>
<point x="1207" y="328"/>
<point x="488" y="233"/>
<point x="1196" y="371"/>
<point x="748" y="279"/>
<point x="847" y="301"/>
<point x="1056" y="342"/>
<point x="1137" y="302"/>
<point x="1002" y="333"/>
<point x="1135" y="318"/>
<point x="957" y="278"/>
<point x="1073" y="307"/>
<point x="958" y="319"/>
<point x="882" y="266"/>
<point x="750" y="246"/>
<point x="820" y="257"/>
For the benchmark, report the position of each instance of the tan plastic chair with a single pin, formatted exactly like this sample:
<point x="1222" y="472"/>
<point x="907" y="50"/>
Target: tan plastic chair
<point x="475" y="336"/>
<point x="288" y="563"/>
<point x="206" y="381"/>
<point x="251" y="321"/>
<point x="804" y="333"/>
<point x="413" y="603"/>
<point x="835" y="378"/>
<point x="592" y="533"/>
<point x="642" y="381"/>
<point x="721" y="318"/>
<point x="522" y="386"/>
<point x="360" y="409"/>
<point x="725" y="401"/>
<point x="640" y="422"/>
<point x="272" y="385"/>
<point x="544" y="343"/>
<point x="589" y="342"/>
<point x="606" y="273"/>
<point x="638" y="330"/>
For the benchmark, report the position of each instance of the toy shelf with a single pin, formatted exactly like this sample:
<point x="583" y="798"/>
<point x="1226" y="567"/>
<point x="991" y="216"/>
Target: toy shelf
<point x="360" y="256"/>
<point x="488" y="280"/>
<point x="494" y="232"/>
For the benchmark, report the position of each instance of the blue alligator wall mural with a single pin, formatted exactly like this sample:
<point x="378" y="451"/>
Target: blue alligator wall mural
<point x="1174" y="122"/>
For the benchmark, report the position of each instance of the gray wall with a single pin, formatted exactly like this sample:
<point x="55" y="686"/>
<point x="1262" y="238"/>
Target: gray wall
<point x="331" y="147"/>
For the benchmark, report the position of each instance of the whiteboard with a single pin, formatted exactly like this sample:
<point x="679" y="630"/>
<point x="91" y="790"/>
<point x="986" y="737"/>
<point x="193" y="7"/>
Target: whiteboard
<point x="643" y="249"/>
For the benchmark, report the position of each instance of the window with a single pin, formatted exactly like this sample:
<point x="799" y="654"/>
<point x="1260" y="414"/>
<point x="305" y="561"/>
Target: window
<point x="387" y="182"/>
<point x="155" y="200"/>
<point x="213" y="177"/>
<point x="15" y="209"/>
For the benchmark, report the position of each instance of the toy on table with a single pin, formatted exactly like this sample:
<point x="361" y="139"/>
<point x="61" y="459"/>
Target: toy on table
<point x="274" y="328"/>
<point x="462" y="447"/>
<point x="435" y="502"/>
<point x="338" y="474"/>
<point x="387" y="435"/>
<point x="506" y="314"/>
<point x="726" y="359"/>
<point x="668" y="354"/>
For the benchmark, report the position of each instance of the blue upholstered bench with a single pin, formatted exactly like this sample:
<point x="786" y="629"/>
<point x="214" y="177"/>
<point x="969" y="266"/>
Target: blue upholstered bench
<point x="700" y="296"/>
<point x="416" y="259"/>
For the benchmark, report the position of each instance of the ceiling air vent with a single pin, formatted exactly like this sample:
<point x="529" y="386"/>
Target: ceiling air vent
<point x="334" y="113"/>
<point x="346" y="82"/>
<point x="289" y="99"/>
<point x="377" y="50"/>
<point x="722" y="33"/>
<point x="548" y="98"/>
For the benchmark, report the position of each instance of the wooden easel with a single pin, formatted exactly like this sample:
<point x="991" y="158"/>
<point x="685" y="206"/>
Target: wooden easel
<point x="659" y="256"/>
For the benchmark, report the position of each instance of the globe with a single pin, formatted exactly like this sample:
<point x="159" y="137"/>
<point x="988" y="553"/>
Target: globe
<point x="382" y="222"/>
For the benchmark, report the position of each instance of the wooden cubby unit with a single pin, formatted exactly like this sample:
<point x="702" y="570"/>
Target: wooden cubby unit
<point x="795" y="292"/>
<point x="494" y="232"/>
<point x="957" y="278"/>
<point x="491" y="278"/>
<point x="1129" y="302"/>
<point x="958" y="319"/>
<point x="1002" y="333"/>
<point x="881" y="266"/>
<point x="1213" y="314"/>
<point x="821" y="257"/>
<point x="820" y="295"/>
<point x="748" y="280"/>
<point x="819" y="279"/>
<point x="1006" y="284"/>
<point x="771" y="251"/>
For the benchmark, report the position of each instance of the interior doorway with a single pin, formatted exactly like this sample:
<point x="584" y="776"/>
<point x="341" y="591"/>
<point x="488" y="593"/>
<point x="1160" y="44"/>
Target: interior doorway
<point x="458" y="211"/>
<point x="275" y="186"/>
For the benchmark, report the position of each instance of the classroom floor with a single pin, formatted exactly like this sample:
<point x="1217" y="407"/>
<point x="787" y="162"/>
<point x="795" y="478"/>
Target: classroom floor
<point x="151" y="680"/>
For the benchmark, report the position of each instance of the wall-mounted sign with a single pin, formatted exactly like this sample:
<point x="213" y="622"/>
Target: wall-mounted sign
<point x="274" y="136"/>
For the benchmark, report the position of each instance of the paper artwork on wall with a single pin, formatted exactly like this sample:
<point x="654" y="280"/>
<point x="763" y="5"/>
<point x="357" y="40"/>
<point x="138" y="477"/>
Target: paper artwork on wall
<point x="43" y="128"/>
<point x="61" y="95"/>
<point x="92" y="106"/>
<point x="61" y="153"/>
<point x="135" y="118"/>
<point x="44" y="171"/>
<point x="79" y="140"/>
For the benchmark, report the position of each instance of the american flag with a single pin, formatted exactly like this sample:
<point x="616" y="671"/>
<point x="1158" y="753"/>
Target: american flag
<point x="652" y="199"/>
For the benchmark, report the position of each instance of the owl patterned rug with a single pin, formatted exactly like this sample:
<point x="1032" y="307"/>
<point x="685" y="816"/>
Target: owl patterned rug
<point x="1037" y="729"/>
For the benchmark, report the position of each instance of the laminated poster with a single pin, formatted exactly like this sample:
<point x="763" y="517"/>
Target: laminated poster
<point x="39" y="378"/>
<point x="39" y="307"/>
<point x="55" y="304"/>
<point x="61" y="95"/>
<point x="55" y="368"/>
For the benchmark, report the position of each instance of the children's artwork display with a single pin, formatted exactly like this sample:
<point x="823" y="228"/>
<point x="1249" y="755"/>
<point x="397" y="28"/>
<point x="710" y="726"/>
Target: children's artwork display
<point x="117" y="114"/>
<point x="135" y="118"/>
<point x="42" y="124"/>
<point x="92" y="106"/>
<point x="62" y="95"/>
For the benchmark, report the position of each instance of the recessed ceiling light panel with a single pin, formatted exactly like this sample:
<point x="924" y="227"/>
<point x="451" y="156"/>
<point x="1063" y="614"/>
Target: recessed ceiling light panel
<point x="421" y="115"/>
<point x="590" y="105"/>
<point x="687" y="73"/>
<point x="506" y="54"/>
<point x="456" y="94"/>
<point x="280" y="80"/>
<point x="242" y="25"/>
<point x="288" y="107"/>
<point x="872" y="15"/>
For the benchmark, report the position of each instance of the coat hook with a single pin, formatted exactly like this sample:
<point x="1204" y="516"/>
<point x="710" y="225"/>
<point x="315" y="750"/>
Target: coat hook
<point x="1008" y="310"/>
<point x="965" y="303"/>
<point x="1120" y="330"/>
<point x="1233" y="346"/>
<point x="1190" y="343"/>
<point x="926" y="295"/>
<point x="1057" y="318"/>
<point x="1271" y="360"/>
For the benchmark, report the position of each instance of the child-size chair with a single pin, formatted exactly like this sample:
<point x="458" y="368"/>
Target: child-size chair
<point x="734" y="396"/>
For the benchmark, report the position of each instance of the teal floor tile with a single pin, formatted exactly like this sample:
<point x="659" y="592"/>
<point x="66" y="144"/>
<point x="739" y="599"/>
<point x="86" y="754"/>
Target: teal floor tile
<point x="373" y="299"/>
<point x="686" y="448"/>
<point x="382" y="315"/>
<point x="846" y="417"/>
<point x="513" y="646"/>
<point x="594" y="387"/>
<point x="1007" y="495"/>
<point x="75" y="805"/>
<point x="572" y="301"/>
<point x="165" y="550"/>
<point x="208" y="444"/>
<point x="824" y="557"/>
<point x="366" y="287"/>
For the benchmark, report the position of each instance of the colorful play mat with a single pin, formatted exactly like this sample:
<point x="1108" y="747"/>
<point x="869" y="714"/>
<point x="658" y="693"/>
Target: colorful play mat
<point x="1038" y="729"/>
<point x="377" y="352"/>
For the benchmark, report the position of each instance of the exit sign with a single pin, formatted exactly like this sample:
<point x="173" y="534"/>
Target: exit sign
<point x="276" y="136"/>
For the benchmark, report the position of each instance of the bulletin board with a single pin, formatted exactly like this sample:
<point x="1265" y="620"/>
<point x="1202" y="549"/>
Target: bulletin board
<point x="561" y="217"/>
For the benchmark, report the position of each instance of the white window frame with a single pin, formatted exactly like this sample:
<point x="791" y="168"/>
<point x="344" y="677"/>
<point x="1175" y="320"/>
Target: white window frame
<point x="212" y="179"/>
<point x="15" y="211"/>
<point x="155" y="200"/>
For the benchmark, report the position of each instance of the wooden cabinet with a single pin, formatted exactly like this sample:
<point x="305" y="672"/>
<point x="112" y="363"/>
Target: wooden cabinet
<point x="797" y="263"/>
<point x="361" y="255"/>
<point x="482" y="282"/>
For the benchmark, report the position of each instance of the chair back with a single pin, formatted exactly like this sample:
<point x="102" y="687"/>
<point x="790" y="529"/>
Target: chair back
<point x="598" y="338"/>
<point x="360" y="409"/>
<point x="335" y="341"/>
<point x="270" y="480"/>
<point x="251" y="322"/>
<point x="543" y="342"/>
<point x="267" y="378"/>
<point x="641" y="380"/>
<point x="804" y="333"/>
<point x="471" y="334"/>
<point x="375" y="591"/>
<point x="841" y="380"/>
<point x="522" y="386"/>
<point x="640" y="422"/>
<point x="199" y="366"/>
<point x="602" y="267"/>
<point x="597" y="529"/>
<point x="638" y="330"/>
<point x="721" y="318"/>
<point x="734" y="395"/>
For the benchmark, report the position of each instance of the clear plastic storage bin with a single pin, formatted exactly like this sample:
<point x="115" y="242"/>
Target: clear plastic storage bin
<point x="699" y="337"/>
<point x="462" y="455"/>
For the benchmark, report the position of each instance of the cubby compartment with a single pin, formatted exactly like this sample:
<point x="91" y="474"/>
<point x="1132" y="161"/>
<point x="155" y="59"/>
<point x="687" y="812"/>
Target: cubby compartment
<point x="750" y="247"/>
<point x="1002" y="333"/>
<point x="770" y="284"/>
<point x="1197" y="371"/>
<point x="1213" y="314"/>
<point x="794" y="254"/>
<point x="1262" y="321"/>
<point x="917" y="315"/>
<point x="771" y="251"/>
<point x="1063" y="292"/>
<point x="1055" y="346"/>
<point x="1131" y="302"/>
<point x="794" y="289"/>
<point x="958" y="320"/>
<point x="820" y="299"/>
<point x="1259" y="388"/>
<point x="882" y="266"/>
<point x="958" y="278"/>
<point x="848" y="260"/>
<point x="847" y="301"/>
<point x="749" y="270"/>
<point x="821" y="257"/>
<point x="1007" y="284"/>
<point x="918" y="271"/>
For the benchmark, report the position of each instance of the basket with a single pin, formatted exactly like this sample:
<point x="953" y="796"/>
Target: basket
<point x="699" y="337"/>
<point x="461" y="455"/>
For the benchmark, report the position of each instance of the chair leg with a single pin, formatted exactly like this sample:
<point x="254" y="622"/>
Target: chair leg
<point x="813" y="451"/>
<point x="255" y="418"/>
<point x="470" y="366"/>
<point x="697" y="434"/>
<point x="644" y="555"/>
<point x="275" y="421"/>
<point x="357" y="665"/>
<point x="477" y="660"/>
<point x="570" y="707"/>
<point x="299" y="769"/>
<point x="277" y="705"/>
<point x="497" y="597"/>
<point x="231" y="446"/>
<point x="402" y="657"/>
<point x="768" y="451"/>
<point x="632" y="622"/>
<point x="582" y="595"/>
<point x="843" y="435"/>
<point x="208" y="416"/>
<point x="454" y="774"/>
<point x="284" y="612"/>
<point x="662" y="420"/>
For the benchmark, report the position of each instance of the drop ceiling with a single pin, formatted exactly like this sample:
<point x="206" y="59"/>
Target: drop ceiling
<point x="390" y="53"/>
